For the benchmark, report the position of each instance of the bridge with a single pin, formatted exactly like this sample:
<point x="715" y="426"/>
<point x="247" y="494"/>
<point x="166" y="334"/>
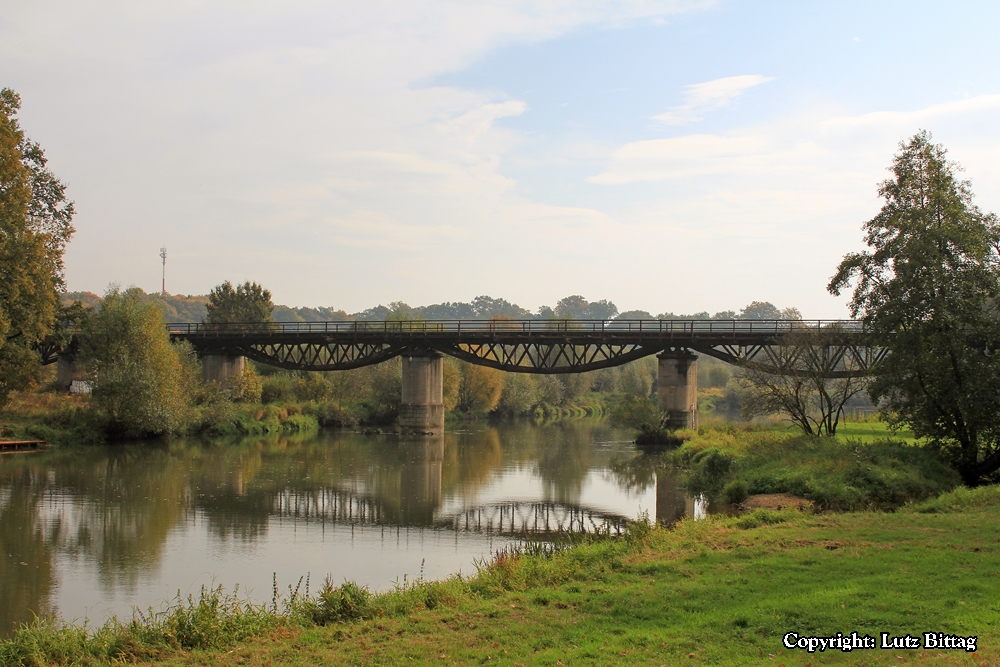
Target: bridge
<point x="531" y="346"/>
<point x="836" y="348"/>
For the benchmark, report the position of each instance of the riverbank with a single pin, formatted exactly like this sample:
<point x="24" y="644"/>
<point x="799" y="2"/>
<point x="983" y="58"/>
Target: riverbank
<point x="863" y="467"/>
<point x="720" y="592"/>
<point x="66" y="419"/>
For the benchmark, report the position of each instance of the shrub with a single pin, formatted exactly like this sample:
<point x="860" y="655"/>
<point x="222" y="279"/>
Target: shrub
<point x="277" y="388"/>
<point x="141" y="384"/>
<point x="336" y="604"/>
<point x="832" y="474"/>
<point x="248" y="388"/>
<point x="736" y="491"/>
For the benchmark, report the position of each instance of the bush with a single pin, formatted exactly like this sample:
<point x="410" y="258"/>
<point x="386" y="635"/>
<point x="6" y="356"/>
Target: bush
<point x="736" y="491"/>
<point x="337" y="604"/>
<point x="331" y="415"/>
<point x="277" y="388"/>
<point x="657" y="436"/>
<point x="248" y="388"/>
<point x="636" y="412"/>
<point x="142" y="383"/>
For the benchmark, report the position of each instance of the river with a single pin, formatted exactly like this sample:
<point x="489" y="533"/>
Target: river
<point x="88" y="533"/>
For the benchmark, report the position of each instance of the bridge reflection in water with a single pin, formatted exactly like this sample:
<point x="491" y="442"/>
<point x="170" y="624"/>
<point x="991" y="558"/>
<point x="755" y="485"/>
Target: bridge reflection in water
<point x="419" y="503"/>
<point x="420" y="499"/>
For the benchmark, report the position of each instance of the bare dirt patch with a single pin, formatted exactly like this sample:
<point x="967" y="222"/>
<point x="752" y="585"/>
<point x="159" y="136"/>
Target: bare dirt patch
<point x="775" y="501"/>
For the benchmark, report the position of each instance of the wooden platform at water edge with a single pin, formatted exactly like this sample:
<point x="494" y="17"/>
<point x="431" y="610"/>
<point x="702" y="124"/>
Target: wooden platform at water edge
<point x="21" y="446"/>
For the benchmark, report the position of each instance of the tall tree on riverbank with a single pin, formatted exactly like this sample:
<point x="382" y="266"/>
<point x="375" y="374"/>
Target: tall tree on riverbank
<point x="35" y="225"/>
<point x="929" y="289"/>
<point x="248" y="302"/>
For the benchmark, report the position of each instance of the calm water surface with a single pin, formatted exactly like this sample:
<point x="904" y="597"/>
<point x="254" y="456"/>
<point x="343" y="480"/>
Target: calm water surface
<point x="90" y="533"/>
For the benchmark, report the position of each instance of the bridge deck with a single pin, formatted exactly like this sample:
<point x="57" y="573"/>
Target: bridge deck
<point x="413" y="331"/>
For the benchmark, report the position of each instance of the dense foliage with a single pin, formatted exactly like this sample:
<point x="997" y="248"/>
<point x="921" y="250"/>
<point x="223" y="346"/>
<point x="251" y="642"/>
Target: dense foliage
<point x="35" y="225"/>
<point x="248" y="302"/>
<point x="928" y="287"/>
<point x="143" y="384"/>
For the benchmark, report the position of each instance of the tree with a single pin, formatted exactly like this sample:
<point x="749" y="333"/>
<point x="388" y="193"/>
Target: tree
<point x="479" y="388"/>
<point x="760" y="310"/>
<point x="248" y="302"/>
<point x="519" y="395"/>
<point x="802" y="389"/>
<point x="928" y="289"/>
<point x="636" y="378"/>
<point x="634" y="315"/>
<point x="142" y="385"/>
<point x="35" y="225"/>
<point x="575" y="307"/>
<point x="485" y="306"/>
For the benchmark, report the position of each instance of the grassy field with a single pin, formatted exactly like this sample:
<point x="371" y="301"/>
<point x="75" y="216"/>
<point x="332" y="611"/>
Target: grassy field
<point x="719" y="592"/>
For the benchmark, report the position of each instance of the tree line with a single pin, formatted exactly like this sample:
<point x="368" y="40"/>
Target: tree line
<point x="194" y="309"/>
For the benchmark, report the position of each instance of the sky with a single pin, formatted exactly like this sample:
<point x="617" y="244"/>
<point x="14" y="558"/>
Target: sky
<point x="677" y="156"/>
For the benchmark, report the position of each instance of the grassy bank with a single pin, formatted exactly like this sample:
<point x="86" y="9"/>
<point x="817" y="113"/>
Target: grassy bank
<point x="847" y="472"/>
<point x="67" y="420"/>
<point x="720" y="592"/>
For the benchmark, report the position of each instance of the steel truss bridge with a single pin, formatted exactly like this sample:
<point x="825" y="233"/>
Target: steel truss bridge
<point x="834" y="348"/>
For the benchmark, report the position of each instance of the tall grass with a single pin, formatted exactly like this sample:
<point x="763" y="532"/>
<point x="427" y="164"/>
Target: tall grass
<point x="214" y="620"/>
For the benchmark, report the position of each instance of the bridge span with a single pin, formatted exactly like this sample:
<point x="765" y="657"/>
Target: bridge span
<point x="838" y="348"/>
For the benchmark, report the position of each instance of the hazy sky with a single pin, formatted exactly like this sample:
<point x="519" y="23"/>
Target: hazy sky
<point x="679" y="156"/>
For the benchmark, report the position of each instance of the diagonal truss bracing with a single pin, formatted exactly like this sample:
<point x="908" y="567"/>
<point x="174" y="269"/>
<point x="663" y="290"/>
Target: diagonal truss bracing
<point x="831" y="360"/>
<point x="548" y="358"/>
<point x="320" y="357"/>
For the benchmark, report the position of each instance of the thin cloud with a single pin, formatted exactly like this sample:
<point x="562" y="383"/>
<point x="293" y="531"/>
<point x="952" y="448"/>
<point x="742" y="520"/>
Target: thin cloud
<point x="715" y="94"/>
<point x="790" y="146"/>
<point x="909" y="118"/>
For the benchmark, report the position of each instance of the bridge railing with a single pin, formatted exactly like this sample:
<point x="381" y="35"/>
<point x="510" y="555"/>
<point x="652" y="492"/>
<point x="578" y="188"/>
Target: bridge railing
<point x="430" y="327"/>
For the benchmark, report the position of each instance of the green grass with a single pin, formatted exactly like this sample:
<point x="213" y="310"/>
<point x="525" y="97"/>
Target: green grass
<point x="718" y="592"/>
<point x="866" y="431"/>
<point x="842" y="473"/>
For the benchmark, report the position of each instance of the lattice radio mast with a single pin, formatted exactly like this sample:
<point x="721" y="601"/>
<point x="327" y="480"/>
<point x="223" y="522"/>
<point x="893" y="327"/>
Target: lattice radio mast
<point x="163" y="256"/>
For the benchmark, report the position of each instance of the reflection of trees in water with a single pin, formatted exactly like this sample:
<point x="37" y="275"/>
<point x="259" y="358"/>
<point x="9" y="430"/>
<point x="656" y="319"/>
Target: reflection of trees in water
<point x="652" y="470"/>
<point x="26" y="576"/>
<point x="110" y="506"/>
<point x="473" y="458"/>
<point x="637" y="473"/>
<point x="403" y="475"/>
<point x="561" y="454"/>
<point x="115" y="506"/>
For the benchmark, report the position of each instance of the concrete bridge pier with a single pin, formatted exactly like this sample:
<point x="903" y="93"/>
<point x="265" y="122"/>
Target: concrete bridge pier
<point x="223" y="369"/>
<point x="677" y="393"/>
<point x="422" y="408"/>
<point x="67" y="370"/>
